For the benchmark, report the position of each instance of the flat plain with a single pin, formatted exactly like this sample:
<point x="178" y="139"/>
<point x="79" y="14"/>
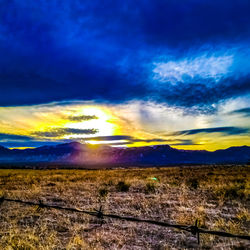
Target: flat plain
<point x="218" y="196"/>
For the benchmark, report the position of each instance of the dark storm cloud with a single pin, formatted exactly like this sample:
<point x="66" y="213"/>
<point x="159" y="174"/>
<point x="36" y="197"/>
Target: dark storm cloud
<point x="83" y="50"/>
<point x="224" y="130"/>
<point x="189" y="95"/>
<point x="57" y="132"/>
<point x="80" y="118"/>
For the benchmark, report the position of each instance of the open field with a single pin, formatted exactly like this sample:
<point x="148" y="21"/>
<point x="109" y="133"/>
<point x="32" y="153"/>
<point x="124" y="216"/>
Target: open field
<point x="216" y="195"/>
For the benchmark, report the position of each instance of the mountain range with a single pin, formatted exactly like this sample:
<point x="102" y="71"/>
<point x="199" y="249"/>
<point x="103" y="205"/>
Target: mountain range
<point x="85" y="154"/>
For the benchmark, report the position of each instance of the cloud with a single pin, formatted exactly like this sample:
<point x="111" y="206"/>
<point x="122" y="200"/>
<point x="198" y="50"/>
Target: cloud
<point x="130" y="139"/>
<point x="149" y="140"/>
<point x="126" y="140"/>
<point x="181" y="24"/>
<point x="36" y="143"/>
<point x="59" y="132"/>
<point x="80" y="118"/>
<point x="11" y="137"/>
<point x="224" y="130"/>
<point x="186" y="70"/>
<point x="203" y="76"/>
<point x="201" y="96"/>
<point x="184" y="143"/>
<point x="108" y="138"/>
<point x="244" y="111"/>
<point x="90" y="53"/>
<point x="14" y="140"/>
<point x="169" y="141"/>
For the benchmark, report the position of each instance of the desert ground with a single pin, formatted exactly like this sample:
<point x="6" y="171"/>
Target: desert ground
<point x="218" y="196"/>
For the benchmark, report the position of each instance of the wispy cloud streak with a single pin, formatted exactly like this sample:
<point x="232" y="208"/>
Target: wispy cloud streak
<point x="189" y="69"/>
<point x="80" y="118"/>
<point x="224" y="130"/>
<point x="59" y="132"/>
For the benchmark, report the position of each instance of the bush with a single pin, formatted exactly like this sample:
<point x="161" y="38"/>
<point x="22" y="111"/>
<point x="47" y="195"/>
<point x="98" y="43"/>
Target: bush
<point x="193" y="183"/>
<point x="103" y="192"/>
<point x="122" y="186"/>
<point x="150" y="188"/>
<point x="234" y="192"/>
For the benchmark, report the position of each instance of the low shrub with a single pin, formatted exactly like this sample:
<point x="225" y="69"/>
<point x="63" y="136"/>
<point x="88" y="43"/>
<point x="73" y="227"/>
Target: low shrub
<point x="103" y="192"/>
<point x="150" y="188"/>
<point x="231" y="192"/>
<point x="122" y="186"/>
<point x="192" y="183"/>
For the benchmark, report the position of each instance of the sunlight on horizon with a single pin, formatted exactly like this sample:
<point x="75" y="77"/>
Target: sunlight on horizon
<point x="102" y="123"/>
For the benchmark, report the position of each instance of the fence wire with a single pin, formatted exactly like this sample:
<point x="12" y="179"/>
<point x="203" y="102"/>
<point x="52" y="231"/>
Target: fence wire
<point x="194" y="229"/>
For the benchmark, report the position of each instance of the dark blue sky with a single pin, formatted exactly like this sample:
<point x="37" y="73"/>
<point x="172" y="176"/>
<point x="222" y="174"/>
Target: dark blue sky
<point x="129" y="72"/>
<point x="183" y="53"/>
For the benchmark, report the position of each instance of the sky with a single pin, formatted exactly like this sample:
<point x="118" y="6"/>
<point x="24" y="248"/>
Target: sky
<point x="125" y="73"/>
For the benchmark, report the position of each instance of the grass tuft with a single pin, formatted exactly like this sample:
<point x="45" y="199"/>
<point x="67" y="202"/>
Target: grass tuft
<point x="192" y="183"/>
<point x="150" y="188"/>
<point x="122" y="186"/>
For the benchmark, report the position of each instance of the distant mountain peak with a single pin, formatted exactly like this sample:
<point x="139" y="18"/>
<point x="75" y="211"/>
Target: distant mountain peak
<point x="76" y="152"/>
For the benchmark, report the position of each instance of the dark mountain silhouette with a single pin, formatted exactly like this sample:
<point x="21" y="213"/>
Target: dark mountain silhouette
<point x="78" y="153"/>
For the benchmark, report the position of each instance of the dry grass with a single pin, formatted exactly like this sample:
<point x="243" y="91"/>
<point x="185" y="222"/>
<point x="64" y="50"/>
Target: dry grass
<point x="216" y="195"/>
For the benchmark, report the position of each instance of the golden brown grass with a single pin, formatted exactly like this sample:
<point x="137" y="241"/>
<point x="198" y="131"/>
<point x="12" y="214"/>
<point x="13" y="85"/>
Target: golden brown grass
<point x="216" y="195"/>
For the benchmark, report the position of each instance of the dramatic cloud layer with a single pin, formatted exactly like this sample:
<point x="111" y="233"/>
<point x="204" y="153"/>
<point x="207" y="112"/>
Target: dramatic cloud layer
<point x="129" y="124"/>
<point x="128" y="73"/>
<point x="193" y="53"/>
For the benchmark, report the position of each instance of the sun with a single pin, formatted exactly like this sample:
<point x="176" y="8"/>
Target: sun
<point x="103" y="124"/>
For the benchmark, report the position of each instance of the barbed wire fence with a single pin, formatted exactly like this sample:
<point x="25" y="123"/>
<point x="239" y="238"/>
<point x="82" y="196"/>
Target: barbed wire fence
<point x="193" y="229"/>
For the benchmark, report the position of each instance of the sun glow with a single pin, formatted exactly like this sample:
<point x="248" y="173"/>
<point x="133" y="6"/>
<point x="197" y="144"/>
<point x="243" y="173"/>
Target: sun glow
<point x="103" y="122"/>
<point x="141" y="124"/>
<point x="116" y="142"/>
